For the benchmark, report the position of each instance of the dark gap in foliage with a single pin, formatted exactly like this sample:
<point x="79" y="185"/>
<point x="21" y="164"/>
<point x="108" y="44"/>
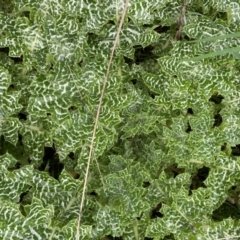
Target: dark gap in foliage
<point x="169" y="237"/>
<point x="110" y="237"/>
<point x="71" y="155"/>
<point x="134" y="81"/>
<point x="178" y="171"/>
<point x="186" y="37"/>
<point x="20" y="138"/>
<point x="216" y="98"/>
<point x="17" y="165"/>
<point x="72" y="108"/>
<point x="128" y="61"/>
<point x="111" y="22"/>
<point x="169" y="123"/>
<point x="91" y="36"/>
<point x="17" y="60"/>
<point x="199" y="178"/>
<point x="161" y="29"/>
<point x="176" y="113"/>
<point x="51" y="67"/>
<point x="116" y="150"/>
<point x="221" y="15"/>
<point x="51" y="160"/>
<point x="226" y="210"/>
<point x="190" y="111"/>
<point x="20" y="143"/>
<point x="147" y="25"/>
<point x="153" y="95"/>
<point x="24" y="200"/>
<point x="147" y="238"/>
<point x="25" y="14"/>
<point x="5" y="50"/>
<point x="93" y="193"/>
<point x="155" y="212"/>
<point x="174" y="170"/>
<point x="141" y="54"/>
<point x="80" y="63"/>
<point x="23" y="194"/>
<point x="139" y="218"/>
<point x="22" y="116"/>
<point x="2" y="149"/>
<point x="74" y="174"/>
<point x="22" y="210"/>
<point x="189" y="129"/>
<point x="48" y="152"/>
<point x="80" y="19"/>
<point x="236" y="150"/>
<point x="146" y="184"/>
<point x="129" y="19"/>
<point x="139" y="84"/>
<point x="55" y="168"/>
<point x="217" y="120"/>
<point x="11" y="87"/>
<point x="224" y="146"/>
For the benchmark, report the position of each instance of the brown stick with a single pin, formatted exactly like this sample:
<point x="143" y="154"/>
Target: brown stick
<point x="180" y="21"/>
<point x="97" y="117"/>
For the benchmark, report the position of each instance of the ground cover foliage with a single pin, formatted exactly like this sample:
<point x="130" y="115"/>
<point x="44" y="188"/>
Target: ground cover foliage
<point x="166" y="154"/>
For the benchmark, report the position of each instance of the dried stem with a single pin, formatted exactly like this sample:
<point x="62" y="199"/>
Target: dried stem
<point x="97" y="117"/>
<point x="180" y="21"/>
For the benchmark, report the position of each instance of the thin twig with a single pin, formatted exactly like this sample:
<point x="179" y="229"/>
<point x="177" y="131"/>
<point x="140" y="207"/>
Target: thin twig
<point x="180" y="21"/>
<point x="97" y="117"/>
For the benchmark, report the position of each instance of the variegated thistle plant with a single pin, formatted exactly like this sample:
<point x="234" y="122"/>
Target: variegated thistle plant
<point x="154" y="157"/>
